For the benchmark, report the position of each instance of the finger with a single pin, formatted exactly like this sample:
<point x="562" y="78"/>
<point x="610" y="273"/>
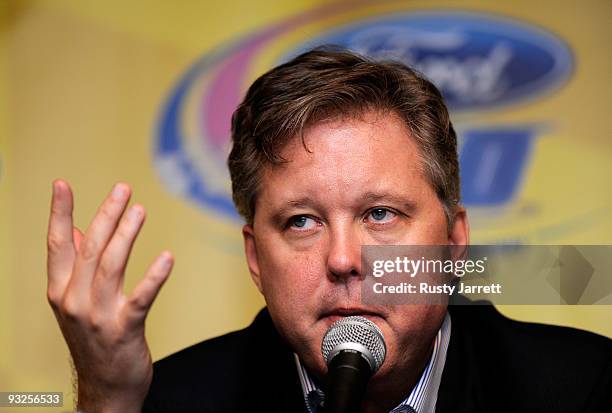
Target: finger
<point x="60" y="247"/>
<point x="141" y="299"/>
<point x="96" y="238"/>
<point x="108" y="280"/>
<point x="77" y="236"/>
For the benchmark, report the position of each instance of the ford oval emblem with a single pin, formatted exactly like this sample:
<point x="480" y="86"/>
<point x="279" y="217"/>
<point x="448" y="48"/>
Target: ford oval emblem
<point x="478" y="61"/>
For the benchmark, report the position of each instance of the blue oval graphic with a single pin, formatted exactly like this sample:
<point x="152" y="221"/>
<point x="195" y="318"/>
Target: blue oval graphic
<point x="478" y="61"/>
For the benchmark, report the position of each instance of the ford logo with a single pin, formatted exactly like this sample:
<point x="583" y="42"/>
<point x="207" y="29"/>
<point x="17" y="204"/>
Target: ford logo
<point x="477" y="60"/>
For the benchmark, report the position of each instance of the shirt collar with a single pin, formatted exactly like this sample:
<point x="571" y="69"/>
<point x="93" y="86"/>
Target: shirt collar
<point x="422" y="398"/>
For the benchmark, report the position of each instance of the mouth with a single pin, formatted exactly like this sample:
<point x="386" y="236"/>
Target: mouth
<point x="336" y="314"/>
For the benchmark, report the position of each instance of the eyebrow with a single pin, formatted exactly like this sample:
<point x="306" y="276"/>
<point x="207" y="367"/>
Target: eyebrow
<point x="370" y="197"/>
<point x="406" y="202"/>
<point x="304" y="202"/>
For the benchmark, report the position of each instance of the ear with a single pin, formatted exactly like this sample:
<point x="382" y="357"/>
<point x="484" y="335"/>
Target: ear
<point x="250" y="250"/>
<point x="459" y="234"/>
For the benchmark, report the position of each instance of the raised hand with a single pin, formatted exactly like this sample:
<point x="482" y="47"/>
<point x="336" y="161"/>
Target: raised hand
<point x="103" y="327"/>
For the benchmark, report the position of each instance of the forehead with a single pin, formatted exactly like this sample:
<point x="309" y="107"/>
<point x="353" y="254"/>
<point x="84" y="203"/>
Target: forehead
<point x="348" y="156"/>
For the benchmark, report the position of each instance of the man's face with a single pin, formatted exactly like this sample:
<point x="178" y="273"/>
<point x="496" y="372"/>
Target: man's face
<point x="360" y="184"/>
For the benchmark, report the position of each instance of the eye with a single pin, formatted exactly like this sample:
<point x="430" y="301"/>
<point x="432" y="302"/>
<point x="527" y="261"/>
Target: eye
<point x="381" y="215"/>
<point x="301" y="222"/>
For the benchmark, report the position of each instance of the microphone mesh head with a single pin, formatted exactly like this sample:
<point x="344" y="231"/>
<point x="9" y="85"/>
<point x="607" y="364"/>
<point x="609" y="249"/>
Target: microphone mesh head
<point x="357" y="333"/>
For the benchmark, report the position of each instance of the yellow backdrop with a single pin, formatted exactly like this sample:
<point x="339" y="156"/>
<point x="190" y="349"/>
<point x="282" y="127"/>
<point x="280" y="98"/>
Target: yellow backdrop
<point x="84" y="88"/>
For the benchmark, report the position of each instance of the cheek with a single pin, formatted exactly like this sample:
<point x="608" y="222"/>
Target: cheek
<point x="431" y="228"/>
<point x="437" y="233"/>
<point x="290" y="278"/>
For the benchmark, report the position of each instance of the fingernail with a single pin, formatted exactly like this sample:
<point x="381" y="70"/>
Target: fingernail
<point x="119" y="191"/>
<point x="134" y="213"/>
<point x="164" y="260"/>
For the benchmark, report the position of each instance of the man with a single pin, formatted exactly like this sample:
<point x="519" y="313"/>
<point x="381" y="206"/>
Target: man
<point x="331" y="151"/>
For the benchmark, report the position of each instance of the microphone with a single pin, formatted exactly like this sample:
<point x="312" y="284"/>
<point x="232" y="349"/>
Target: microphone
<point x="354" y="349"/>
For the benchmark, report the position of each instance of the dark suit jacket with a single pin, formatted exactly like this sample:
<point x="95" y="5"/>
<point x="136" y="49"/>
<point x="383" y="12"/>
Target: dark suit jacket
<point x="493" y="364"/>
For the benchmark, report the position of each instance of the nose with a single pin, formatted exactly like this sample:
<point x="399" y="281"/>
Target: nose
<point x="344" y="257"/>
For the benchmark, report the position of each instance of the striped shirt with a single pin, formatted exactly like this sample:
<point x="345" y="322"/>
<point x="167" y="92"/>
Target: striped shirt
<point x="422" y="398"/>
